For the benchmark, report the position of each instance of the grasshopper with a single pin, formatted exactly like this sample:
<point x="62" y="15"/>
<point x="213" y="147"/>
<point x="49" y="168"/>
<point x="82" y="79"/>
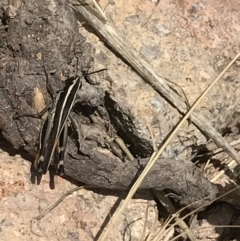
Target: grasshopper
<point x="57" y="125"/>
<point x="54" y="130"/>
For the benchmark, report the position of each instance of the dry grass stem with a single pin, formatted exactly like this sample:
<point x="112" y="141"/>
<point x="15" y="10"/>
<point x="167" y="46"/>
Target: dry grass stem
<point x="171" y="209"/>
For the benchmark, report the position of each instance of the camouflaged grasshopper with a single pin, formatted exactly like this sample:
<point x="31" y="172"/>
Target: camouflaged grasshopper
<point x="54" y="131"/>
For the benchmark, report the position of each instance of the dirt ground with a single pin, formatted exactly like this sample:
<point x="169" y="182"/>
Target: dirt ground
<point x="78" y="217"/>
<point x="187" y="43"/>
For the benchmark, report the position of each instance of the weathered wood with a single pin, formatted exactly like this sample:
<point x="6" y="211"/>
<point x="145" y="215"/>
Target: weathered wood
<point x="102" y="169"/>
<point x="92" y="157"/>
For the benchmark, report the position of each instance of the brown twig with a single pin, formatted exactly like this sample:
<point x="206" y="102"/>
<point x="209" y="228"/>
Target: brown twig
<point x="50" y="208"/>
<point x="34" y="225"/>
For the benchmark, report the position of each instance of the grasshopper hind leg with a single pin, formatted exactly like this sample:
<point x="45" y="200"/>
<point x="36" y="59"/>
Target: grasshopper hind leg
<point x="43" y="140"/>
<point x="39" y="167"/>
<point x="62" y="149"/>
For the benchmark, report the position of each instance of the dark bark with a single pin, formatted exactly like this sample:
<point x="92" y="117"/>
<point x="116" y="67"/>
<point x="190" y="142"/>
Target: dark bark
<point x="102" y="169"/>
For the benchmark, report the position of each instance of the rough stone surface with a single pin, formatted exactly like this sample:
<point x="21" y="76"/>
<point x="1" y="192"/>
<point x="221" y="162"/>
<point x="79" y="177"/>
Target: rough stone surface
<point x="78" y="217"/>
